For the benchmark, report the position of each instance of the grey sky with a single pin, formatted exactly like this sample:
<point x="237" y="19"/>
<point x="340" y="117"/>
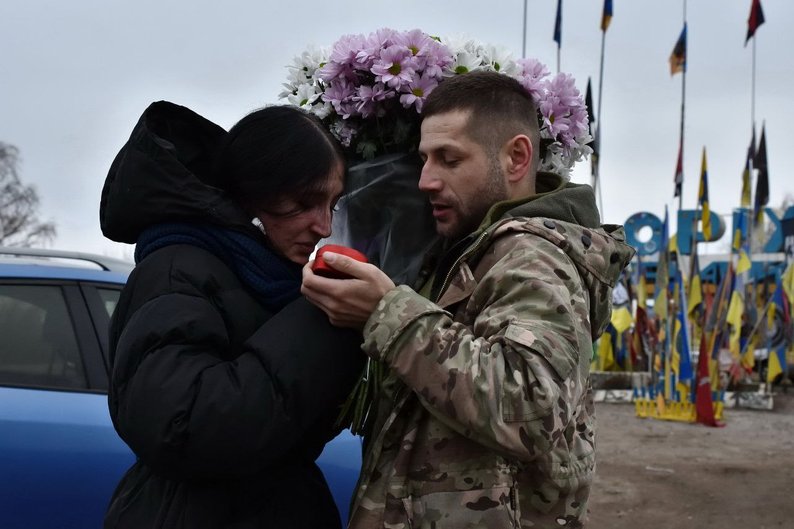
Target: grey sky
<point x="76" y="75"/>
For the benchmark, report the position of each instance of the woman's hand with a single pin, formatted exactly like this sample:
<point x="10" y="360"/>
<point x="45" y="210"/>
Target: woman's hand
<point x="347" y="302"/>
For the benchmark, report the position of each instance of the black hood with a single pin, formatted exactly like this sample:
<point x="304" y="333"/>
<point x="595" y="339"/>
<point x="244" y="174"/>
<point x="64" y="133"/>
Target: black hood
<point x="164" y="174"/>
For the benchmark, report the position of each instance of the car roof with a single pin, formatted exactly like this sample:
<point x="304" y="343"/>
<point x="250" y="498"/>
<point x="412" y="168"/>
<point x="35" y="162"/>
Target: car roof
<point x="55" y="264"/>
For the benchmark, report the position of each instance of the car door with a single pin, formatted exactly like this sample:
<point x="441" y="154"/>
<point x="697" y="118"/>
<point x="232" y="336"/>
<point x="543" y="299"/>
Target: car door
<point x="60" y="458"/>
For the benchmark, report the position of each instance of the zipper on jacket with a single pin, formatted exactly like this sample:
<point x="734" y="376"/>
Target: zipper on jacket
<point x="465" y="254"/>
<point x="515" y="508"/>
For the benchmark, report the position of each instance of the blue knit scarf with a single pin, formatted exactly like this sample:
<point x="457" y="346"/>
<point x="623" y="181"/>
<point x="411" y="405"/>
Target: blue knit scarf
<point x="275" y="280"/>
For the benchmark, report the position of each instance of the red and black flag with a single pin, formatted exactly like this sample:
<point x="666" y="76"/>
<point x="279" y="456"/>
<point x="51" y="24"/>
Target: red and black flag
<point x="704" y="406"/>
<point x="755" y="20"/>
<point x="762" y="182"/>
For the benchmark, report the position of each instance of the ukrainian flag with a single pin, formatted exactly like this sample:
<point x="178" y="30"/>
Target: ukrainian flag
<point x="777" y="353"/>
<point x="606" y="16"/>
<point x="703" y="198"/>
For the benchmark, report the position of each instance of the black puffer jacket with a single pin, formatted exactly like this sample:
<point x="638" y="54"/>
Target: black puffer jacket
<point x="225" y="404"/>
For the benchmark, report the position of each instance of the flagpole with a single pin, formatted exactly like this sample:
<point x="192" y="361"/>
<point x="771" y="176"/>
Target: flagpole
<point x="558" y="58"/>
<point x="683" y="107"/>
<point x="598" y="125"/>
<point x="524" y="34"/>
<point x="752" y="103"/>
<point x="558" y="31"/>
<point x="751" y="226"/>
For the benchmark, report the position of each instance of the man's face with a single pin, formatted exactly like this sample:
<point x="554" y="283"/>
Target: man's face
<point x="462" y="180"/>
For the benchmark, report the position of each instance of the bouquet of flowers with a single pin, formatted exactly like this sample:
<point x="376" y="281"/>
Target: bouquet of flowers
<point x="369" y="91"/>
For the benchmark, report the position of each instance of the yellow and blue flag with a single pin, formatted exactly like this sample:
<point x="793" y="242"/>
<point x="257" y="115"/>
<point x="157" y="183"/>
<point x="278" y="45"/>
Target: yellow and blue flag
<point x="735" y="317"/>
<point x="678" y="56"/>
<point x="703" y="198"/>
<point x="607" y="346"/>
<point x="777" y="321"/>
<point x="695" y="298"/>
<point x="606" y="15"/>
<point x="741" y="243"/>
<point x="748" y="168"/>
<point x="681" y="345"/>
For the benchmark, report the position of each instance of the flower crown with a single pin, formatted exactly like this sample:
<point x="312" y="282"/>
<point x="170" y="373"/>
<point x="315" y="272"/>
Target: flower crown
<point x="369" y="91"/>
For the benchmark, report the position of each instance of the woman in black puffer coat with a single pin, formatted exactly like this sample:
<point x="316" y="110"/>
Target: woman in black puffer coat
<point x="225" y="382"/>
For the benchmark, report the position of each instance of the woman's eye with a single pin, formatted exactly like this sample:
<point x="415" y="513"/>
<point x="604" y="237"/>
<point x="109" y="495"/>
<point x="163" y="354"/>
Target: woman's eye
<point x="289" y="209"/>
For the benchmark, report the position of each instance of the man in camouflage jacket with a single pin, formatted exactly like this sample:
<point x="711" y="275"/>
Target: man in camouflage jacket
<point x="486" y="419"/>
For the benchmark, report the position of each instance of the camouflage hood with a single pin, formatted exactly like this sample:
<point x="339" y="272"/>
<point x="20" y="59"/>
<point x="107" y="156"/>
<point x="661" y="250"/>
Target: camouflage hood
<point x="566" y="214"/>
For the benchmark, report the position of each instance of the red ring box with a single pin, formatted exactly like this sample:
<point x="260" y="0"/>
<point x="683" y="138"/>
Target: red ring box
<point x="321" y="268"/>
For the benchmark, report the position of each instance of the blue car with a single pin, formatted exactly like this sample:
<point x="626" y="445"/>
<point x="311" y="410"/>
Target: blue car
<point x="60" y="458"/>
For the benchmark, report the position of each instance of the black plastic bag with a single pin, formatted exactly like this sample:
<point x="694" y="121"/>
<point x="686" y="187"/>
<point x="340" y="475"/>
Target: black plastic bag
<point x="384" y="215"/>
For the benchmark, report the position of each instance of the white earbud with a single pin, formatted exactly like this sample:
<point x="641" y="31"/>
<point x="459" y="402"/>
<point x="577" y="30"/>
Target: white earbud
<point x="258" y="223"/>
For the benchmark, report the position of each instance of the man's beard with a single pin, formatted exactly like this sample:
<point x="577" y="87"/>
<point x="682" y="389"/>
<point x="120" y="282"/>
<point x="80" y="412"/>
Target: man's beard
<point x="494" y="190"/>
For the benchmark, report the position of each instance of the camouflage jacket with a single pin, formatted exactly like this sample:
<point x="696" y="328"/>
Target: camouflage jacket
<point x="489" y="420"/>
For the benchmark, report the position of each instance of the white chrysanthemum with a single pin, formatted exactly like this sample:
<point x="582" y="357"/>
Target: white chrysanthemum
<point x="499" y="59"/>
<point x="321" y="109"/>
<point x="289" y="89"/>
<point x="555" y="161"/>
<point x="463" y="62"/>
<point x="459" y="43"/>
<point x="305" y="96"/>
<point x="309" y="61"/>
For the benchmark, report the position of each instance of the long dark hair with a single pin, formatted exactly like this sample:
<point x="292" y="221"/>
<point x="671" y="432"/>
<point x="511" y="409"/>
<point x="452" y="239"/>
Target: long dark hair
<point x="276" y="151"/>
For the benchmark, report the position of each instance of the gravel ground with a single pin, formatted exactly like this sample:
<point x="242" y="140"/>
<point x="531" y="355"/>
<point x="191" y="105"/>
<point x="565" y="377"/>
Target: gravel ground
<point x="660" y="474"/>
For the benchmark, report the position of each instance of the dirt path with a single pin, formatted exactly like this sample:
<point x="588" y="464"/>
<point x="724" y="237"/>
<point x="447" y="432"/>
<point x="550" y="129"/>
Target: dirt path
<point x="658" y="474"/>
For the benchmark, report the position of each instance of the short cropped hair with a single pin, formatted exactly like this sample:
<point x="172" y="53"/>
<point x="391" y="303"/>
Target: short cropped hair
<point x="500" y="108"/>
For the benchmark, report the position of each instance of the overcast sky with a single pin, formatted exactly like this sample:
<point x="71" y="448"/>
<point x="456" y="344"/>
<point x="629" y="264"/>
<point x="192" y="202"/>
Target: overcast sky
<point x="75" y="76"/>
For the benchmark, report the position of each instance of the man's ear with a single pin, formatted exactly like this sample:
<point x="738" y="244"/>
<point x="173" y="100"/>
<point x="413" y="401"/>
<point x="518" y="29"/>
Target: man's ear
<point x="518" y="152"/>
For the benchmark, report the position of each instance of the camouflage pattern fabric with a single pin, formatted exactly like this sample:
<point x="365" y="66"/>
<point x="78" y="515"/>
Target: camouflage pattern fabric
<point x="487" y="417"/>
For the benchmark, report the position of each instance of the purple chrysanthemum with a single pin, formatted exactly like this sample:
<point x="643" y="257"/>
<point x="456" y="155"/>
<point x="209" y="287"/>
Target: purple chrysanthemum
<point x="531" y="77"/>
<point x="418" y="90"/>
<point x="395" y="66"/>
<point x="435" y="57"/>
<point x="562" y="110"/>
<point x="361" y="73"/>
<point x="367" y="98"/>
<point x="340" y="95"/>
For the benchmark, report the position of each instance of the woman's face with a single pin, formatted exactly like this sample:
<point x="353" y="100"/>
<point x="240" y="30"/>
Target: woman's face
<point x="297" y="222"/>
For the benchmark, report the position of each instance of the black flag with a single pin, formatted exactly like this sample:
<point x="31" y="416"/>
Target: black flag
<point x="762" y="184"/>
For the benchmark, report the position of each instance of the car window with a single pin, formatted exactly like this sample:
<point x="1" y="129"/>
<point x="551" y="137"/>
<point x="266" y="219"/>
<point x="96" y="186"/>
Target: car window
<point x="110" y="298"/>
<point x="38" y="345"/>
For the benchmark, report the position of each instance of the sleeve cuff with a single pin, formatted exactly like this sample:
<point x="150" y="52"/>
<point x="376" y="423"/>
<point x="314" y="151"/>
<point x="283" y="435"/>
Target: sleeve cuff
<point x="396" y="311"/>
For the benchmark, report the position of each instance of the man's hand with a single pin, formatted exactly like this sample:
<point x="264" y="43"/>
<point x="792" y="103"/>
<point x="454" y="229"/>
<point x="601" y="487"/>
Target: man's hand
<point x="347" y="302"/>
